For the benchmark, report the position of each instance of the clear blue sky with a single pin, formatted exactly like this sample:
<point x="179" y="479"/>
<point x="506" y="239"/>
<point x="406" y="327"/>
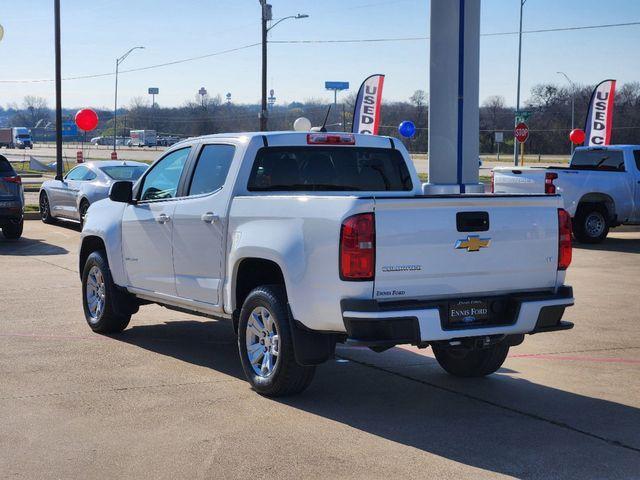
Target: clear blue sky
<point x="96" y="32"/>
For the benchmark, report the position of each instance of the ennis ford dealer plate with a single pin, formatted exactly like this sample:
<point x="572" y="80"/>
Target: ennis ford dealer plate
<point x="468" y="312"/>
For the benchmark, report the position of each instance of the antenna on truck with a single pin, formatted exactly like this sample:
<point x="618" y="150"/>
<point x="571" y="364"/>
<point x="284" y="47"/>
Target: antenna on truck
<point x="323" y="128"/>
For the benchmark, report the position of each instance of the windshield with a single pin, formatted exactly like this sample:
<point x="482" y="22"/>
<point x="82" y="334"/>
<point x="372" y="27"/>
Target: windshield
<point x="124" y="172"/>
<point x="23" y="135"/>
<point x="598" y="159"/>
<point x="329" y="169"/>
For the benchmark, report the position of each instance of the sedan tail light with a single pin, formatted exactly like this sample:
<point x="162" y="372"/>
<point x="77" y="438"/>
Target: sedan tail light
<point x="13" y="179"/>
<point x="564" y="239"/>
<point x="358" y="248"/>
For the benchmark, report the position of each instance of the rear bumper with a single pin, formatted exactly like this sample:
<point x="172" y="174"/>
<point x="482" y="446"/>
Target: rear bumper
<point x="10" y="211"/>
<point x="369" y="322"/>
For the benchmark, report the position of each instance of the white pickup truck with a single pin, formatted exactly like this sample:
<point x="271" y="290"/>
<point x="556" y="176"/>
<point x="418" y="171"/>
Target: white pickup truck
<point x="600" y="188"/>
<point x="306" y="240"/>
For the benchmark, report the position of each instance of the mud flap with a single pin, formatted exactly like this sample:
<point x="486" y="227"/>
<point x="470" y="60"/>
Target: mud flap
<point x="311" y="347"/>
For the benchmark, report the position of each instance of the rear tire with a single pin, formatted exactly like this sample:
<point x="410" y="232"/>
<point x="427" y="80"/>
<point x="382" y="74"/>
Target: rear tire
<point x="474" y="362"/>
<point x="591" y="224"/>
<point x="102" y="302"/>
<point x="45" y="209"/>
<point x="12" y="230"/>
<point x="264" y="332"/>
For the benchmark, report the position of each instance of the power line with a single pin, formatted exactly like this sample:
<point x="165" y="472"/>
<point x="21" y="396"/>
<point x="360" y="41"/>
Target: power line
<point x="361" y="40"/>
<point x="491" y="34"/>
<point x="139" y="69"/>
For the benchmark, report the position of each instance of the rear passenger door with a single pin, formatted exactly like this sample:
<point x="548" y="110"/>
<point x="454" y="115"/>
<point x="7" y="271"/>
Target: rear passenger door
<point x="200" y="226"/>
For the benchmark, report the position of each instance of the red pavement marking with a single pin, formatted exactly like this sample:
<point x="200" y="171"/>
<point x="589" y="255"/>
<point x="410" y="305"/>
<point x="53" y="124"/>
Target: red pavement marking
<point x="576" y="358"/>
<point x="409" y="348"/>
<point x="54" y="337"/>
<point x="542" y="356"/>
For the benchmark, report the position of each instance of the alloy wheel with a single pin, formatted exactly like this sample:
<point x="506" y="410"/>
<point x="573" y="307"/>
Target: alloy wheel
<point x="95" y="293"/>
<point x="263" y="342"/>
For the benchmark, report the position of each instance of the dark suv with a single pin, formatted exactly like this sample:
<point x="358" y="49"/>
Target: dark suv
<point x="11" y="201"/>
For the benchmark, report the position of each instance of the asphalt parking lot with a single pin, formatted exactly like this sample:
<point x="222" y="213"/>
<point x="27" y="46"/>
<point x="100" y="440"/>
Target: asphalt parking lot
<point x="167" y="399"/>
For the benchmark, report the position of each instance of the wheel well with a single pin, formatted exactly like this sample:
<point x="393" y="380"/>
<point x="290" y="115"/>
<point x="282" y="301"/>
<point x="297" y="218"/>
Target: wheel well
<point x="89" y="245"/>
<point x="602" y="199"/>
<point x="253" y="272"/>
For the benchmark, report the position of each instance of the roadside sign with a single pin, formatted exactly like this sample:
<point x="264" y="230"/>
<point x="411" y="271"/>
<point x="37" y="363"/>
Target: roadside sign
<point x="336" y="85"/>
<point x="154" y="91"/>
<point x="522" y="116"/>
<point x="521" y="132"/>
<point x="499" y="137"/>
<point x="69" y="129"/>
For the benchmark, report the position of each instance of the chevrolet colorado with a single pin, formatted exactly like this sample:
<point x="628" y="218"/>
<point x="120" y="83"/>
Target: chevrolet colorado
<point x="600" y="188"/>
<point x="305" y="240"/>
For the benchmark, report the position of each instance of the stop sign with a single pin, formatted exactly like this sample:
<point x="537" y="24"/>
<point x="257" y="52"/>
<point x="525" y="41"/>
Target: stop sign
<point x="521" y="132"/>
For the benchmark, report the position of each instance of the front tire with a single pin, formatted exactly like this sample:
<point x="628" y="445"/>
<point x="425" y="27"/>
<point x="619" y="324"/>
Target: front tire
<point x="12" y="230"/>
<point x="266" y="346"/>
<point x="101" y="300"/>
<point x="471" y="362"/>
<point x="591" y="224"/>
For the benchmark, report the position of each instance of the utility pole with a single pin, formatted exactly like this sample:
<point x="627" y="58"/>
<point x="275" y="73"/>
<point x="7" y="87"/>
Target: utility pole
<point x="266" y="16"/>
<point x="59" y="171"/>
<point x="515" y="143"/>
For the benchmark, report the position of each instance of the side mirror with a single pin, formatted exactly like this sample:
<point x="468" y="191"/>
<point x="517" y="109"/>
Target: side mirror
<point x="121" y="192"/>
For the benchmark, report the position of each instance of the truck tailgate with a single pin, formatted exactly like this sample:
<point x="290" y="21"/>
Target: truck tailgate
<point x="518" y="180"/>
<point x="425" y="246"/>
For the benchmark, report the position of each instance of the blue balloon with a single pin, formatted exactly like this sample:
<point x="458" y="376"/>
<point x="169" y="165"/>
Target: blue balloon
<point x="407" y="129"/>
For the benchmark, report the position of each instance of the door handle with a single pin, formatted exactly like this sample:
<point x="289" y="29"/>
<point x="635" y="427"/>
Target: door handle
<point x="163" y="218"/>
<point x="209" y="217"/>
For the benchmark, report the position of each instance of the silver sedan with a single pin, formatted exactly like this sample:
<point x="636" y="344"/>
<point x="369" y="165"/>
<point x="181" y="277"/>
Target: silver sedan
<point x="89" y="182"/>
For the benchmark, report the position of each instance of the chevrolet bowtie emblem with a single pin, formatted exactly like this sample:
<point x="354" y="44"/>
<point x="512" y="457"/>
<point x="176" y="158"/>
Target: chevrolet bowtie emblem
<point x="473" y="243"/>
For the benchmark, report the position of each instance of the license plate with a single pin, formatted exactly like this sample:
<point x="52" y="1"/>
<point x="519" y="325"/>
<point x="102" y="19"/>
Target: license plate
<point x="468" y="312"/>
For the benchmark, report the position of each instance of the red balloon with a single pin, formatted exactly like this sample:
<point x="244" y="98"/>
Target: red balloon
<point x="577" y="136"/>
<point x="86" y="119"/>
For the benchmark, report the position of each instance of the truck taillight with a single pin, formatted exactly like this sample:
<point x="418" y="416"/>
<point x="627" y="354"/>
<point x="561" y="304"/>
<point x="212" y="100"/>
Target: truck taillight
<point x="493" y="182"/>
<point x="549" y="187"/>
<point x="331" y="139"/>
<point x="358" y="248"/>
<point x="564" y="239"/>
<point x="13" y="179"/>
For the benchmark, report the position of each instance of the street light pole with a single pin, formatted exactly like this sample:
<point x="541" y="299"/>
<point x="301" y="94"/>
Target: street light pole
<point x="115" y="103"/>
<point x="267" y="16"/>
<point x="515" y="142"/>
<point x="573" y="104"/>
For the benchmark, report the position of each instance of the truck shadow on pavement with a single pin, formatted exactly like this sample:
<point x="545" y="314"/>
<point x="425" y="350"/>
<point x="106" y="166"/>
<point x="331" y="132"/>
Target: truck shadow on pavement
<point x="28" y="247"/>
<point x="621" y="245"/>
<point x="502" y="424"/>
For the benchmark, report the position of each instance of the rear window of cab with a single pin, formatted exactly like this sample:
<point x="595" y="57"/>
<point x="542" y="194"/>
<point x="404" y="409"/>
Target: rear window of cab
<point x="329" y="169"/>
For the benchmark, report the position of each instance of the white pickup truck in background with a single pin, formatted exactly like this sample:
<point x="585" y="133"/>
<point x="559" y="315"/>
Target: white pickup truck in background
<point x="600" y="188"/>
<point x="306" y="240"/>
